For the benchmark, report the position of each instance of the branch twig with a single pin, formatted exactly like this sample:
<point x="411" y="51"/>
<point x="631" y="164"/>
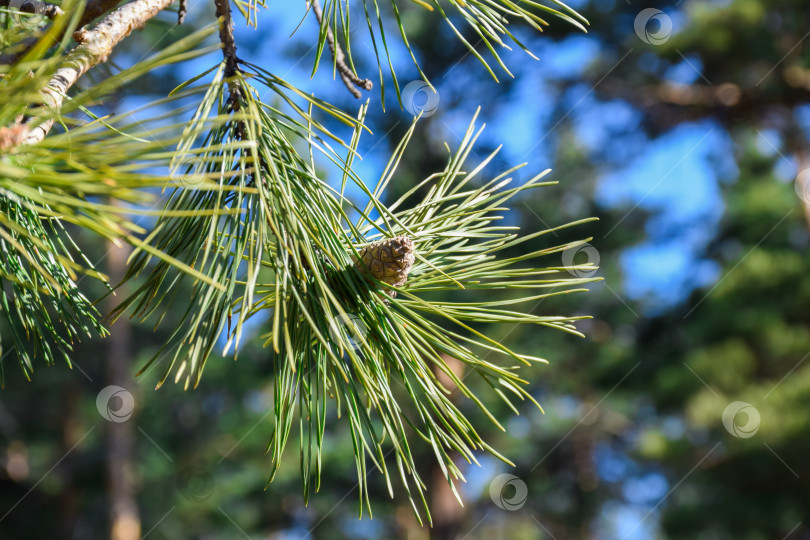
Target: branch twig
<point x="349" y="78"/>
<point x="95" y="47"/>
<point x="223" y="12"/>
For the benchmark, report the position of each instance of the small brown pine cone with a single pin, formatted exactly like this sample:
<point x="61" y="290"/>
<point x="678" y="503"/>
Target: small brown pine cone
<point x="389" y="260"/>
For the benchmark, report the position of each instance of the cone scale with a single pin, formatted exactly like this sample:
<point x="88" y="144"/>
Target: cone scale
<point x="388" y="260"/>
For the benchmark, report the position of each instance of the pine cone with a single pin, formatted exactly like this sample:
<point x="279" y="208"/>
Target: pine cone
<point x="389" y="260"/>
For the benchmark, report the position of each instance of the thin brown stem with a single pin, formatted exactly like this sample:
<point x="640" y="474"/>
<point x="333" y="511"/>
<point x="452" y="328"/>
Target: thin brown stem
<point x="95" y="47"/>
<point x="223" y="13"/>
<point x="350" y="79"/>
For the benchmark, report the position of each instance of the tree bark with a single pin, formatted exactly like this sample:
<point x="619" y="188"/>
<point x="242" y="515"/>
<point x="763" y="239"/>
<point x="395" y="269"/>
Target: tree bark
<point x="95" y="46"/>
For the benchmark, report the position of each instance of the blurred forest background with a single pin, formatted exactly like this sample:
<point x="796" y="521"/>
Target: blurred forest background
<point x="684" y="130"/>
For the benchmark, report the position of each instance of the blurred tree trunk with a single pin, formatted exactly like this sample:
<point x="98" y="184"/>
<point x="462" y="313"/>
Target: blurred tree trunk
<point x="70" y="497"/>
<point x="447" y="513"/>
<point x="125" y="523"/>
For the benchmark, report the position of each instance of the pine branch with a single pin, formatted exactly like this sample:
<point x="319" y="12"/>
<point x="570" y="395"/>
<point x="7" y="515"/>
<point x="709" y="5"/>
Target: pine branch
<point x="49" y="190"/>
<point x="489" y="22"/>
<point x="335" y="336"/>
<point x="95" y="46"/>
<point x="346" y="73"/>
<point x="223" y="12"/>
<point x="348" y="292"/>
<point x="235" y="92"/>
